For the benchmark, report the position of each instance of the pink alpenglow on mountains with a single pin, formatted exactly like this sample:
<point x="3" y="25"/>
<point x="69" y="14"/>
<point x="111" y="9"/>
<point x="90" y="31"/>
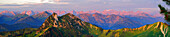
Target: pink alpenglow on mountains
<point x="29" y="12"/>
<point x="105" y="12"/>
<point x="11" y="13"/>
<point x="104" y="19"/>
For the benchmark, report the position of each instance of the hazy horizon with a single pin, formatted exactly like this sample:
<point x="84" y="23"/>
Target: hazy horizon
<point x="81" y="5"/>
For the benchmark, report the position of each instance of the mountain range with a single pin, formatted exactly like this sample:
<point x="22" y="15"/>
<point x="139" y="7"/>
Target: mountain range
<point x="114" y="20"/>
<point x="105" y="12"/>
<point x="18" y="20"/>
<point x="110" y="21"/>
<point x="70" y="25"/>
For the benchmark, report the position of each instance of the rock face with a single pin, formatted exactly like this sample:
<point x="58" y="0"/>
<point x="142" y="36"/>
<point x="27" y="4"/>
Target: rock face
<point x="51" y="20"/>
<point x="55" y="16"/>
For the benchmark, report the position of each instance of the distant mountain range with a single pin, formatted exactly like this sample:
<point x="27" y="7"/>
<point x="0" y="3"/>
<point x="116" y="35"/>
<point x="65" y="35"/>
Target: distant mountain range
<point x="107" y="19"/>
<point x="24" y="18"/>
<point x="105" y="12"/>
<point x="110" y="21"/>
<point x="34" y="21"/>
<point x="70" y="25"/>
<point x="10" y="13"/>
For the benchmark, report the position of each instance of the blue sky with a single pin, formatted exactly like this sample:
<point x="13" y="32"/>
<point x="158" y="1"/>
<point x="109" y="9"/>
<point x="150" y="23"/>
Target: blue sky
<point x="81" y="5"/>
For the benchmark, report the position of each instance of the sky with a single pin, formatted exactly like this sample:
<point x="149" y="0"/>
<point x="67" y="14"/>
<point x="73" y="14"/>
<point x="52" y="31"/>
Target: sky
<point x="81" y="5"/>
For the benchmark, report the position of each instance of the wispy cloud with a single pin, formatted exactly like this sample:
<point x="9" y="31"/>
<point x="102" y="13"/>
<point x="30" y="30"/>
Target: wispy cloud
<point x="148" y="8"/>
<point x="10" y="5"/>
<point x="32" y="1"/>
<point x="126" y="0"/>
<point x="147" y="5"/>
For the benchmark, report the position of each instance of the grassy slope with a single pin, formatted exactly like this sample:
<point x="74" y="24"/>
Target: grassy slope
<point x="17" y="32"/>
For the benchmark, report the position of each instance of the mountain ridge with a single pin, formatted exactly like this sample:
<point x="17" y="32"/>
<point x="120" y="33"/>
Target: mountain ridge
<point x="109" y="21"/>
<point x="105" y="12"/>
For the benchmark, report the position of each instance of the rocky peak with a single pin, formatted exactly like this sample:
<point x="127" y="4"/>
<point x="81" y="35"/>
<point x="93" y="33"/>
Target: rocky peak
<point x="30" y="12"/>
<point x="50" y="21"/>
<point x="46" y="12"/>
<point x="66" y="20"/>
<point x="97" y="14"/>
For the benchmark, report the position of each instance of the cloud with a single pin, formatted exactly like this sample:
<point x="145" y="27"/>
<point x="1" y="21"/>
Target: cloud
<point x="54" y="2"/>
<point x="148" y="8"/>
<point x="57" y="0"/>
<point x="81" y="4"/>
<point x="94" y="0"/>
<point x="126" y="0"/>
<point x="32" y="2"/>
<point x="10" y="5"/>
<point x="62" y="3"/>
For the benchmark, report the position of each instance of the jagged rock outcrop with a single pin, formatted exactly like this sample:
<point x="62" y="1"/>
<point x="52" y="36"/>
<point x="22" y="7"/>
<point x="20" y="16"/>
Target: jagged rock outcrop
<point x="50" y="21"/>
